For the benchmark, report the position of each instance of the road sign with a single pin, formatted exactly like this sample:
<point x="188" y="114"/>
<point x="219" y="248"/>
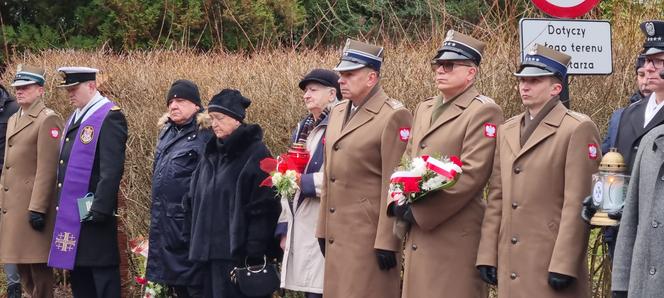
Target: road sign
<point x="565" y="8"/>
<point x="587" y="41"/>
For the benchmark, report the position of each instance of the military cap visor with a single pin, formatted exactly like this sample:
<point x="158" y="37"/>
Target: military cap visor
<point x="73" y="76"/>
<point x="653" y="51"/>
<point x="346" y="65"/>
<point x="535" y="64"/>
<point x="454" y="50"/>
<point x="449" y="56"/>
<point x="24" y="78"/>
<point x="533" y="71"/>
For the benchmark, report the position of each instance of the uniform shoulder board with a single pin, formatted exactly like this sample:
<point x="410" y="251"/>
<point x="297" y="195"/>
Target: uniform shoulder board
<point x="578" y="116"/>
<point x="484" y="99"/>
<point x="116" y="108"/>
<point x="395" y="104"/>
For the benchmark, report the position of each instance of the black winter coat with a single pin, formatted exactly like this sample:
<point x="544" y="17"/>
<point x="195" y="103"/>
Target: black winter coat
<point x="631" y="130"/>
<point x="177" y="154"/>
<point x="98" y="242"/>
<point x="8" y="107"/>
<point x="230" y="216"/>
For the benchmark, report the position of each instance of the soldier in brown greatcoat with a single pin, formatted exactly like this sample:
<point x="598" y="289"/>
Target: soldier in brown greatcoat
<point x="441" y="246"/>
<point x="364" y="141"/>
<point x="533" y="240"/>
<point x="28" y="184"/>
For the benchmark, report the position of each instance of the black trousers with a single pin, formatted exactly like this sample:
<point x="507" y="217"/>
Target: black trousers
<point x="95" y="282"/>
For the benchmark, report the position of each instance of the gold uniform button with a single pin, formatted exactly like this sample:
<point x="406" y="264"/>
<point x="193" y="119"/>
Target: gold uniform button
<point x="59" y="185"/>
<point x="66" y="139"/>
<point x="62" y="161"/>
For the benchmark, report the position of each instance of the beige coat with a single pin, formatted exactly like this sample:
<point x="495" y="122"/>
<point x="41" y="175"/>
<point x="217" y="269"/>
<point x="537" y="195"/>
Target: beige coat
<point x="359" y="159"/>
<point x="28" y="184"/>
<point x="303" y="263"/>
<point x="532" y="225"/>
<point x="441" y="248"/>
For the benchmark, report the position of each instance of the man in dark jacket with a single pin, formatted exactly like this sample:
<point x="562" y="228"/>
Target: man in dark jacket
<point x="91" y="165"/>
<point x="641" y="92"/>
<point x="179" y="148"/>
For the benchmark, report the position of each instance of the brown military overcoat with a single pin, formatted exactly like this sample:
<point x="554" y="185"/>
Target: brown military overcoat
<point x="441" y="248"/>
<point x="360" y="156"/>
<point x="28" y="184"/>
<point x="532" y="225"/>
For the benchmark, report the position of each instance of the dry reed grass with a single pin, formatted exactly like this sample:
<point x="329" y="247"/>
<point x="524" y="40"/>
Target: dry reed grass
<point x="138" y="81"/>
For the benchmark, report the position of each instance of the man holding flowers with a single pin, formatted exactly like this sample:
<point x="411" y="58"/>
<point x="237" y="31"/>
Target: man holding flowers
<point x="444" y="233"/>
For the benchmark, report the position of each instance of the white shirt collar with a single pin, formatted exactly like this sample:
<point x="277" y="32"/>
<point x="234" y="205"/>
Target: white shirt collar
<point x="651" y="109"/>
<point x="95" y="103"/>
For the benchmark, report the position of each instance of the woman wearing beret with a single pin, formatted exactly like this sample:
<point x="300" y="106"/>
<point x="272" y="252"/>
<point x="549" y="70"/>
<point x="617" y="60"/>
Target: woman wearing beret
<point x="303" y="263"/>
<point x="231" y="219"/>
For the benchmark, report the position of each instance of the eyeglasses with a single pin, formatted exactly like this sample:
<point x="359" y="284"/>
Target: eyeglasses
<point x="656" y="63"/>
<point x="448" y="66"/>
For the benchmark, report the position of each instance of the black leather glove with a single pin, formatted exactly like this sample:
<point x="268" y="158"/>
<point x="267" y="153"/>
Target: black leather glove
<point x="619" y="294"/>
<point x="386" y="259"/>
<point x="37" y="220"/>
<point x="559" y="281"/>
<point x="95" y="217"/>
<point x="321" y="245"/>
<point x="589" y="209"/>
<point x="616" y="215"/>
<point x="403" y="212"/>
<point x="489" y="274"/>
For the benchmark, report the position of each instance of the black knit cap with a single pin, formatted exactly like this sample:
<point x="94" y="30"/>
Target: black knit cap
<point x="231" y="103"/>
<point x="184" y="89"/>
<point x="324" y="77"/>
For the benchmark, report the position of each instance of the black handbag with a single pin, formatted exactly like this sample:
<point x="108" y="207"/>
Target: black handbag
<point x="257" y="280"/>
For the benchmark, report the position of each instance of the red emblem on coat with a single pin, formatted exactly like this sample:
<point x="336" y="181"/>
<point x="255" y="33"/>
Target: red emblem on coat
<point x="490" y="130"/>
<point x="404" y="134"/>
<point x="593" y="151"/>
<point x="55" y="132"/>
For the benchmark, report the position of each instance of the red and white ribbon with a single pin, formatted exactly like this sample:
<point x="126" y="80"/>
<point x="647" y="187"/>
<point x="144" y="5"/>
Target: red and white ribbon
<point x="445" y="169"/>
<point x="410" y="181"/>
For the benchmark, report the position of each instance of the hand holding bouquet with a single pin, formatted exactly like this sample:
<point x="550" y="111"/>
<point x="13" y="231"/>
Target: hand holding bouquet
<point x="415" y="179"/>
<point x="285" y="171"/>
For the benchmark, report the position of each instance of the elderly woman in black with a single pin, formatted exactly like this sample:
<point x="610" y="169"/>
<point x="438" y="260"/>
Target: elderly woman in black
<point x="231" y="217"/>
